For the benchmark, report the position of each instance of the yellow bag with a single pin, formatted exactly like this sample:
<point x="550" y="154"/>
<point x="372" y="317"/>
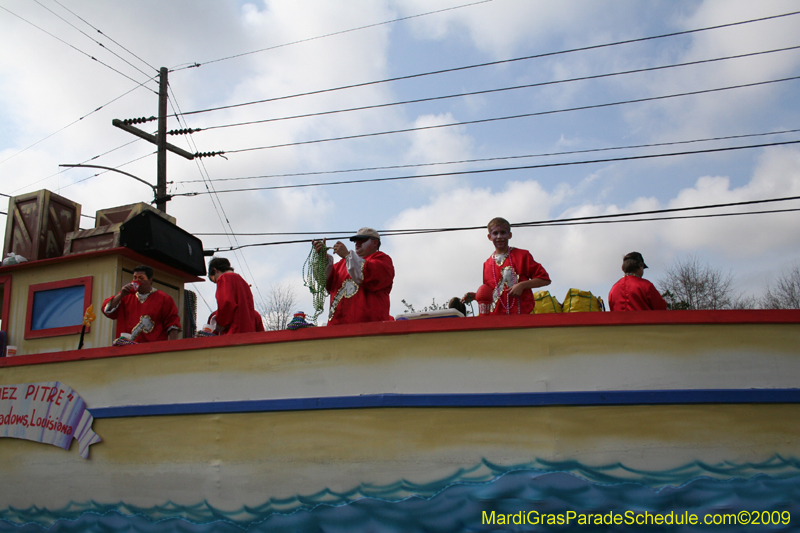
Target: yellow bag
<point x="545" y="303"/>
<point x="577" y="301"/>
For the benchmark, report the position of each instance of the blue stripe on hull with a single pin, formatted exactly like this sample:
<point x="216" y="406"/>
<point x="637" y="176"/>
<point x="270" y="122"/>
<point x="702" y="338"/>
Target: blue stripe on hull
<point x="517" y="399"/>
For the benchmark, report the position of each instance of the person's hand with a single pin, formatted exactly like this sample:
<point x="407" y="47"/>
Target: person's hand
<point x="516" y="290"/>
<point x="127" y="289"/>
<point x="320" y="246"/>
<point x="469" y="297"/>
<point x="340" y="249"/>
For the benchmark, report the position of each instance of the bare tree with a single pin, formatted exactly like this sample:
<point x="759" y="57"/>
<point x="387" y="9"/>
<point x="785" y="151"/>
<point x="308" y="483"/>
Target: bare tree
<point x="786" y="292"/>
<point x="280" y="306"/>
<point x="746" y="302"/>
<point x="688" y="284"/>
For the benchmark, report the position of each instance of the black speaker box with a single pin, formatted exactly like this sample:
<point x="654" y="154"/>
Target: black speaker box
<point x="153" y="236"/>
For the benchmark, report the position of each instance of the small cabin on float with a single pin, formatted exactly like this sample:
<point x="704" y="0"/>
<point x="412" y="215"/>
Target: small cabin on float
<point x="66" y="269"/>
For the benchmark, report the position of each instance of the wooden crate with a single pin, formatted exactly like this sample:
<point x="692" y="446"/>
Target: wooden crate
<point x="123" y="213"/>
<point x="38" y="223"/>
<point x="90" y="240"/>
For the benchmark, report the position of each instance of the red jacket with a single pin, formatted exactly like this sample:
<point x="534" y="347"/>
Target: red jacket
<point x="368" y="302"/>
<point x="235" y="309"/>
<point x="524" y="268"/>
<point x="158" y="314"/>
<point x="633" y="293"/>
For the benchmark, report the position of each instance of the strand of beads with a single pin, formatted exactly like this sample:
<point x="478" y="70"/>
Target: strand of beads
<point x="314" y="278"/>
<point x="501" y="286"/>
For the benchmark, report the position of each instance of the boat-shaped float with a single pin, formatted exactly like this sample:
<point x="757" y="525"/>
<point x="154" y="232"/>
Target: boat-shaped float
<point x="672" y="419"/>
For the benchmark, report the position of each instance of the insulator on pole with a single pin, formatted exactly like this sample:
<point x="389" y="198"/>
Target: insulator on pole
<point x="140" y="120"/>
<point x="208" y="154"/>
<point x="184" y="131"/>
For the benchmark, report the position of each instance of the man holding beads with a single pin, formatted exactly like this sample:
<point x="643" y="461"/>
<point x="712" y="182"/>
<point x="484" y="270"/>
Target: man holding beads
<point x="360" y="282"/>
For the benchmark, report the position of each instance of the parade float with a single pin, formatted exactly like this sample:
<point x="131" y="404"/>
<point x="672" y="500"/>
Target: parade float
<point x="599" y="421"/>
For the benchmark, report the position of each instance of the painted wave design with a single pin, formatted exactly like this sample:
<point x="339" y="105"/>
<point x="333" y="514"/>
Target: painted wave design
<point x="456" y="503"/>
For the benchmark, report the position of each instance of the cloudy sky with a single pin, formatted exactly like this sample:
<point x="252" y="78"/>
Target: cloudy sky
<point x="60" y="90"/>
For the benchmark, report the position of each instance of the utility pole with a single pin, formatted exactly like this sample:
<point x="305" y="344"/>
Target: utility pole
<point x="160" y="140"/>
<point x="161" y="175"/>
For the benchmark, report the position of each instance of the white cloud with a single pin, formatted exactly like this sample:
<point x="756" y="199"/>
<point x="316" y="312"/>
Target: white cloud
<point x="777" y="175"/>
<point x="438" y="145"/>
<point x="502" y="29"/>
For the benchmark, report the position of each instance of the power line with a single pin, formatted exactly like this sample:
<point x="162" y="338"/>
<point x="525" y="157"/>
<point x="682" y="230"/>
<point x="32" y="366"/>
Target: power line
<point x="217" y="202"/>
<point x="661" y="211"/>
<point x="70" y="124"/>
<point x="90" y="56"/>
<point x="208" y="182"/>
<point x="505" y="169"/>
<point x="138" y="85"/>
<point x="596" y="219"/>
<point x="716" y="215"/>
<point x="489" y="91"/>
<point x="568" y="221"/>
<point x="90" y="37"/>
<point x="99" y="108"/>
<point x="104" y="35"/>
<point x="492" y="63"/>
<point x="556" y="223"/>
<point x="195" y="65"/>
<point x="510" y="117"/>
<point x="486" y="159"/>
<point x="199" y="293"/>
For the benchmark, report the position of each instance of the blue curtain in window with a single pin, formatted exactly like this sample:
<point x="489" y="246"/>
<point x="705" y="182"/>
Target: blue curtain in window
<point x="57" y="308"/>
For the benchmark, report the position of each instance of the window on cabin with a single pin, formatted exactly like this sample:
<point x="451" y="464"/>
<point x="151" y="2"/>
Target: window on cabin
<point x="57" y="308"/>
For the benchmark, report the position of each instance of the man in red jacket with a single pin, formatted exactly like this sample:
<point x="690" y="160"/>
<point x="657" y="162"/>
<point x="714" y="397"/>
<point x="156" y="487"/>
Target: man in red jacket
<point x="235" y="309"/>
<point x="633" y="292"/>
<point x="360" y="283"/>
<point x="141" y="310"/>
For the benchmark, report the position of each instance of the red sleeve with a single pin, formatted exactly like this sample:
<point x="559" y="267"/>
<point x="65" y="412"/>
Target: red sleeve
<point x="539" y="272"/>
<point x="226" y="302"/>
<point x="656" y="300"/>
<point x="113" y="314"/>
<point x="534" y="270"/>
<point x="378" y="272"/>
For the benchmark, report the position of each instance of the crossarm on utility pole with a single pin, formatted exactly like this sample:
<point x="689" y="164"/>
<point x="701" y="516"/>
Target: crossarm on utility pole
<point x="151" y="138"/>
